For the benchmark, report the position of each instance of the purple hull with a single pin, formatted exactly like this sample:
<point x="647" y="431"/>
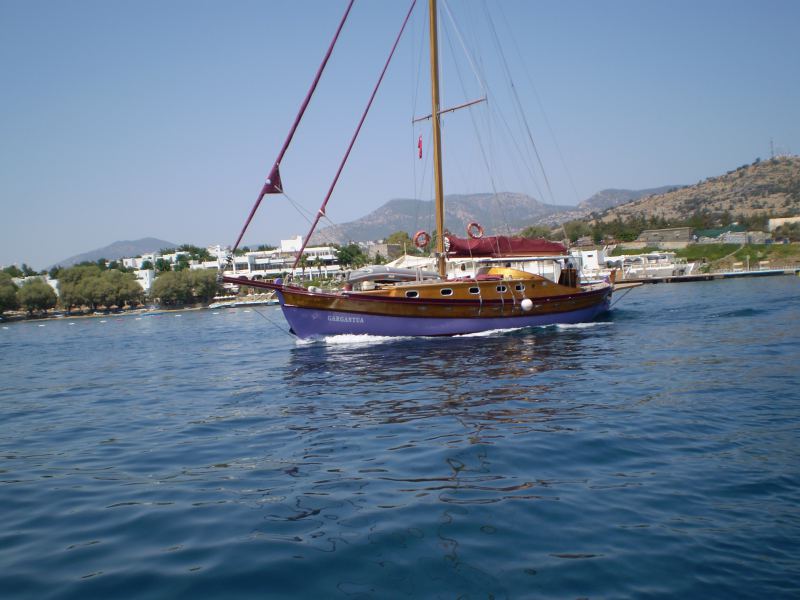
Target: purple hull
<point x="309" y="323"/>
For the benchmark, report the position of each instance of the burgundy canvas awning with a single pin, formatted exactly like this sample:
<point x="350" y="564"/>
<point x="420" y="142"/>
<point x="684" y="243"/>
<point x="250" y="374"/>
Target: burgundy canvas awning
<point x="500" y="245"/>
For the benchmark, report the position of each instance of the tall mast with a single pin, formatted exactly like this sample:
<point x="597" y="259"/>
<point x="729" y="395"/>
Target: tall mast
<point x="437" y="141"/>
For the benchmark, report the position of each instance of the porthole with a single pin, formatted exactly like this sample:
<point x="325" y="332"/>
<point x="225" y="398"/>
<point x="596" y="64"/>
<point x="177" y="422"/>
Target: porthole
<point x="520" y="287"/>
<point x="475" y="290"/>
<point x="412" y="294"/>
<point x="446" y="292"/>
<point x="502" y="289"/>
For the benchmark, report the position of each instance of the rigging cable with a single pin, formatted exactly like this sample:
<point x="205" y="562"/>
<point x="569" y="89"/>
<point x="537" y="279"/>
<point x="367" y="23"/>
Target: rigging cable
<point x="273" y="183"/>
<point x="518" y="103"/>
<point x="271" y="322"/>
<point x="321" y="211"/>
<point x="625" y="293"/>
<point x="541" y="105"/>
<point x="476" y="129"/>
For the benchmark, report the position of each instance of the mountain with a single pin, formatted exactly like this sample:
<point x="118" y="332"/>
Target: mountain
<point x="599" y="202"/>
<point x="610" y="198"/>
<point x="763" y="188"/>
<point x="118" y="250"/>
<point x="497" y="213"/>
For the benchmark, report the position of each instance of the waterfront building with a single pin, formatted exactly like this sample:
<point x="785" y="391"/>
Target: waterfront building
<point x="667" y="239"/>
<point x="53" y="283"/>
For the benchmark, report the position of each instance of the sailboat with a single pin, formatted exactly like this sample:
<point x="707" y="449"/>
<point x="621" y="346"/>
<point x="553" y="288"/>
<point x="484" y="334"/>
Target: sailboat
<point x="405" y="302"/>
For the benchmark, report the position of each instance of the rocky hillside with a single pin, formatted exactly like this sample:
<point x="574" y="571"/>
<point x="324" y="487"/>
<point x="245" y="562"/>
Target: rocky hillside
<point x="764" y="188"/>
<point x="500" y="213"/>
<point x="599" y="202"/>
<point x="610" y="198"/>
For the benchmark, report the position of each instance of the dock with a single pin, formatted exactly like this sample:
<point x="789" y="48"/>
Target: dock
<point x="713" y="276"/>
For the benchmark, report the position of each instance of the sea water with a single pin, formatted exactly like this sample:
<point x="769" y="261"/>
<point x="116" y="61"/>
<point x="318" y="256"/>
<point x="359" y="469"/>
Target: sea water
<point x="654" y="453"/>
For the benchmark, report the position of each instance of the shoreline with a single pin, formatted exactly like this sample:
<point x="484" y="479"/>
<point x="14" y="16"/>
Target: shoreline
<point x="108" y="315"/>
<point x="714" y="276"/>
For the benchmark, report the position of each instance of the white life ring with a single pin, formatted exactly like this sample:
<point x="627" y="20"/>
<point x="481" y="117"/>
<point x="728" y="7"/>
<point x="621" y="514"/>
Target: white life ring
<point x="421" y="239"/>
<point x="475" y="231"/>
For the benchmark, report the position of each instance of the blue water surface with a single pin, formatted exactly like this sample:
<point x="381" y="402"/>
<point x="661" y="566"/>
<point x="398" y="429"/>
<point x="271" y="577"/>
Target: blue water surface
<point x="207" y="454"/>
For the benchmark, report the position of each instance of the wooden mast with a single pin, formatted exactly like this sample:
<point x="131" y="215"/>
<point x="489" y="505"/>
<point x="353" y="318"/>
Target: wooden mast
<point x="437" y="142"/>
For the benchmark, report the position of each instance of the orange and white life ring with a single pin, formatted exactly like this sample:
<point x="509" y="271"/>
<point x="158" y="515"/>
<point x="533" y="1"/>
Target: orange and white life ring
<point x="474" y="230"/>
<point x="421" y="239"/>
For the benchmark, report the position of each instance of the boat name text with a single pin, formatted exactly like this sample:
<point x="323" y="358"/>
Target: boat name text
<point x="343" y="319"/>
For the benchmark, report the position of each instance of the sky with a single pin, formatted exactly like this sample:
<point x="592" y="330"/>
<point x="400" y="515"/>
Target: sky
<point x="129" y="119"/>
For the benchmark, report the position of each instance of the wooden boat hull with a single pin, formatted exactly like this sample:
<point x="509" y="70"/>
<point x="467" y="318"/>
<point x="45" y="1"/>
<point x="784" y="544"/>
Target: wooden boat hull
<point x="315" y="314"/>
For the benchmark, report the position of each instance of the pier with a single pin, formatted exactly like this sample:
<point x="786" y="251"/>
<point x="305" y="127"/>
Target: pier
<point x="713" y="276"/>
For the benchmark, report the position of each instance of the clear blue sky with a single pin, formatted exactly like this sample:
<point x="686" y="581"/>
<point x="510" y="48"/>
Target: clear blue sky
<point x="121" y="120"/>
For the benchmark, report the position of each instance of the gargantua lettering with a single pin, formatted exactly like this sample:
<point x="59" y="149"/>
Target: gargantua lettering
<point x="345" y="319"/>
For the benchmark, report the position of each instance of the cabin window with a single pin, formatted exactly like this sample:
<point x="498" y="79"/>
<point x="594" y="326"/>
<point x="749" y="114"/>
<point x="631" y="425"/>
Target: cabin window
<point x="502" y="289"/>
<point x="474" y="290"/>
<point x="520" y="287"/>
<point x="446" y="292"/>
<point x="412" y="294"/>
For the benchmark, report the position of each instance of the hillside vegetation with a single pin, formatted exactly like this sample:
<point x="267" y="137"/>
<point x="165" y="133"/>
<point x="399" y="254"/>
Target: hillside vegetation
<point x="750" y="193"/>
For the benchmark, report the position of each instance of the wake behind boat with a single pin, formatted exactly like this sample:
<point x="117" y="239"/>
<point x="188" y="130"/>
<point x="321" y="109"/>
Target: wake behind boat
<point x="408" y="302"/>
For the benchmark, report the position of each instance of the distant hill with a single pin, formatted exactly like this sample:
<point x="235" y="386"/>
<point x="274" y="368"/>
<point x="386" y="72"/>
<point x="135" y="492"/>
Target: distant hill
<point x="610" y="198"/>
<point x="497" y="213"/>
<point x="118" y="250"/>
<point x="502" y="213"/>
<point x="599" y="202"/>
<point x="764" y="188"/>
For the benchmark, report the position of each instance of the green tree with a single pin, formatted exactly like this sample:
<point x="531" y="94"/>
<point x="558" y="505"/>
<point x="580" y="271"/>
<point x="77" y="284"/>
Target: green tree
<point x="318" y="265"/>
<point x="204" y="284"/>
<point x="162" y="266"/>
<point x="124" y="289"/>
<point x="303" y="262"/>
<point x="398" y="237"/>
<point x="404" y="240"/>
<point x="172" y="288"/>
<point x="8" y="293"/>
<point x="181" y="264"/>
<point x="351" y="256"/>
<point x="576" y="229"/>
<point x="89" y="285"/>
<point x="195" y="252"/>
<point x="537" y="231"/>
<point x="99" y="291"/>
<point x="790" y="231"/>
<point x="13" y="270"/>
<point x="175" y="288"/>
<point x="146" y="265"/>
<point x="36" y="295"/>
<point x="73" y="284"/>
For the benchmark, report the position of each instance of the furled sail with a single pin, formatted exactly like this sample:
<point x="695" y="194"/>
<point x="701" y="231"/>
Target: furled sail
<point x="500" y="245"/>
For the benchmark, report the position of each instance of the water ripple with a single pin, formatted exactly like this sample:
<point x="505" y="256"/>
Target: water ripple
<point x="653" y="453"/>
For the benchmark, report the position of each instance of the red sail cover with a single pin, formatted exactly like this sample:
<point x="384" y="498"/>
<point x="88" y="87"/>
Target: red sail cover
<point x="500" y="245"/>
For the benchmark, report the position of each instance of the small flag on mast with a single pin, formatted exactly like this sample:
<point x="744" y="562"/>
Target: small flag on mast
<point x="419" y="145"/>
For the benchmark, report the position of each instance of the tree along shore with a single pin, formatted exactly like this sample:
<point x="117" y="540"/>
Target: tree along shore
<point x="92" y="287"/>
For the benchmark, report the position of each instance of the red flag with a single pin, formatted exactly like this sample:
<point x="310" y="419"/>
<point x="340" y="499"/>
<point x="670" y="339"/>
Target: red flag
<point x="419" y="145"/>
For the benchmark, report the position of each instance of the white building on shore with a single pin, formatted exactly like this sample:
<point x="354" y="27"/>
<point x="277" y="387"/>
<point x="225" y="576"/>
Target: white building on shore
<point x="318" y="261"/>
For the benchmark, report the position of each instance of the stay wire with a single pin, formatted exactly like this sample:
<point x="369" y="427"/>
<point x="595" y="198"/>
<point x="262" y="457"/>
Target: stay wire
<point x="624" y="293"/>
<point x="518" y="102"/>
<point x="273" y="323"/>
<point x="541" y="105"/>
